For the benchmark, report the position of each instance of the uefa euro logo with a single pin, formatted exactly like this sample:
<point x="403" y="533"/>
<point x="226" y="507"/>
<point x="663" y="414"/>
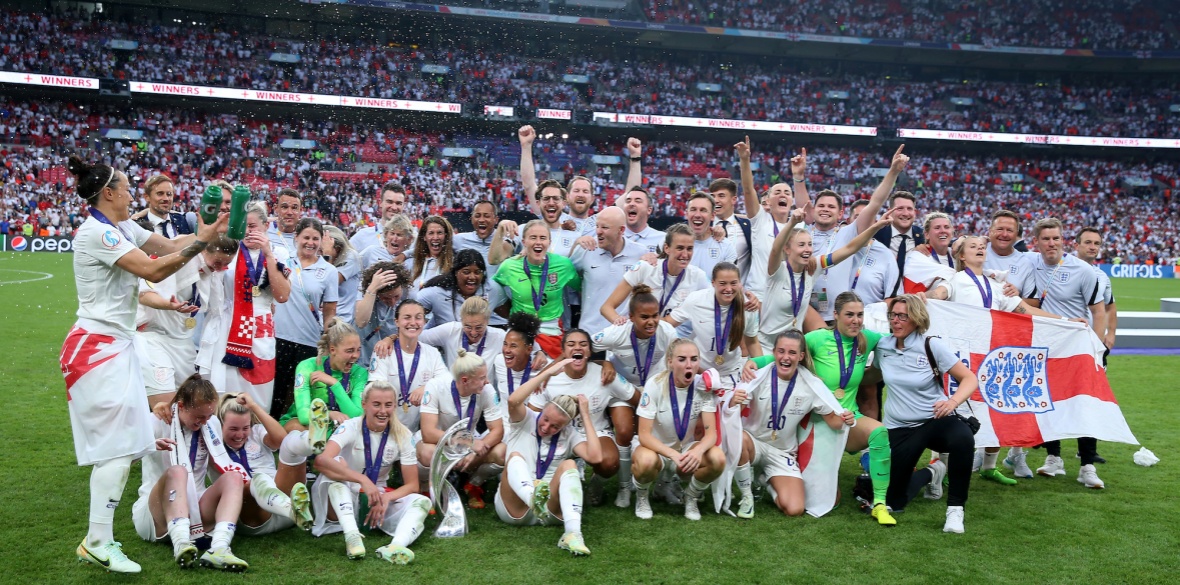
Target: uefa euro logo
<point x="1013" y="380"/>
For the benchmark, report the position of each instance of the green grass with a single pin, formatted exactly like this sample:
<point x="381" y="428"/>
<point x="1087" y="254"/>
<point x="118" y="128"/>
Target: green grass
<point x="1043" y="531"/>
<point x="1143" y="294"/>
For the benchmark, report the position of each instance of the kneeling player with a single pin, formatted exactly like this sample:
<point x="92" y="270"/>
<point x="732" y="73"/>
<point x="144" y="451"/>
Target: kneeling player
<point x="355" y="467"/>
<point x="540" y="483"/>
<point x="779" y="398"/>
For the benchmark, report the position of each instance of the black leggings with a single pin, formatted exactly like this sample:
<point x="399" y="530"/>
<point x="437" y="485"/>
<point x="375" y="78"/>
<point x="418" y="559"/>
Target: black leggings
<point x="288" y="354"/>
<point x="1087" y="449"/>
<point x="942" y="435"/>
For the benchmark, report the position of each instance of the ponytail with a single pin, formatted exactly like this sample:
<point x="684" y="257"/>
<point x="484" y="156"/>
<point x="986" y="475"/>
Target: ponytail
<point x="195" y="391"/>
<point x="337" y="331"/>
<point x="229" y="405"/>
<point x="92" y="179"/>
<point x="641" y="295"/>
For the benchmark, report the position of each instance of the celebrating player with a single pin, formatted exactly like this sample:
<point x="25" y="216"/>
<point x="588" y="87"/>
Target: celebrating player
<point x="410" y="364"/>
<point x="334" y="377"/>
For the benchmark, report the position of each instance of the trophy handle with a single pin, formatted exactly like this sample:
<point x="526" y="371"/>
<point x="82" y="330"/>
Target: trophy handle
<point x="452" y="448"/>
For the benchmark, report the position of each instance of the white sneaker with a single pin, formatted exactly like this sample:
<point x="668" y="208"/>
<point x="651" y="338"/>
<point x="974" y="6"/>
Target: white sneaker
<point x="691" y="510"/>
<point x="1088" y="476"/>
<point x="623" y="498"/>
<point x="109" y="557"/>
<point x="642" y="504"/>
<point x="1053" y="467"/>
<point x="977" y="462"/>
<point x="1018" y="463"/>
<point x="354" y="545"/>
<point x="746" y="507"/>
<point x="954" y="520"/>
<point x="938" y="471"/>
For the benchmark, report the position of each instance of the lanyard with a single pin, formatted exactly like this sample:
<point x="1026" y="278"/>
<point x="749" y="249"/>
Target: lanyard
<point x="681" y="421"/>
<point x="643" y="367"/>
<point x="665" y="292"/>
<point x="722" y="339"/>
<point x="845" y="372"/>
<point x="524" y="377"/>
<point x="796" y="295"/>
<point x="298" y="265"/>
<point x="777" y="408"/>
<point x="459" y="406"/>
<point x="856" y="277"/>
<point x="543" y="464"/>
<point x="538" y="296"/>
<point x="239" y="456"/>
<point x="985" y="294"/>
<point x="345" y="380"/>
<point x="96" y="214"/>
<point x="1052" y="277"/>
<point x="373" y="467"/>
<point x="402" y="378"/>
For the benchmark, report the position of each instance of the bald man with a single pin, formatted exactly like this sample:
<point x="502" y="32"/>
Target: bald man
<point x="602" y="262"/>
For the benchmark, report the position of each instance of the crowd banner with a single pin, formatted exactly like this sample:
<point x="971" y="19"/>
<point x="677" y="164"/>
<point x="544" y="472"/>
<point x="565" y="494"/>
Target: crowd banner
<point x="21" y="243"/>
<point x="1040" y="379"/>
<point x="1138" y="270"/>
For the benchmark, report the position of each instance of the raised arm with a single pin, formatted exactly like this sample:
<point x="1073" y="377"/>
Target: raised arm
<point x="503" y="242"/>
<point x="528" y="170"/>
<point x="635" y="168"/>
<point x="591" y="449"/>
<point x="780" y="241"/>
<point x="861" y="240"/>
<point x="179" y="252"/>
<point x="749" y="192"/>
<point x="517" y="400"/>
<point x="609" y="309"/>
<point x="799" y="182"/>
<point x="883" y="189"/>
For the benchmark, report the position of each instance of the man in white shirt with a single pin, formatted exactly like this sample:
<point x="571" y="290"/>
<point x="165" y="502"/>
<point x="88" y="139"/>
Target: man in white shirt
<point x="707" y="250"/>
<point x="901" y="235"/>
<point x="1002" y="237"/>
<point x="637" y="203"/>
<point x="602" y="266"/>
<point x="281" y="232"/>
<point x="735" y="228"/>
<point x="160" y="193"/>
<point x="484" y="217"/>
<point x="578" y="194"/>
<point x="391" y="203"/>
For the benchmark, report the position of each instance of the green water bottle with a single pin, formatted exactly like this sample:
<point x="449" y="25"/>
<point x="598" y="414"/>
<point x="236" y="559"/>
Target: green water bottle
<point x="210" y="204"/>
<point x="237" y="212"/>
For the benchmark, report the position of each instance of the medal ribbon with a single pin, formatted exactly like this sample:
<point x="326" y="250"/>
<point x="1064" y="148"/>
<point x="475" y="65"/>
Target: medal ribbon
<point x="845" y="372"/>
<point x="482" y="342"/>
<point x="643" y="367"/>
<point x="193" y="445"/>
<point x="373" y="467"/>
<point x="253" y="271"/>
<point x="665" y="292"/>
<point x="96" y="214"/>
<point x="402" y="378"/>
<point x="987" y="296"/>
<point x="543" y="464"/>
<point x="459" y="406"/>
<point x="344" y="380"/>
<point x="528" y="370"/>
<point x="722" y="334"/>
<point x="538" y="296"/>
<point x="796" y="295"/>
<point x="240" y="457"/>
<point x="776" y="408"/>
<point x="681" y="421"/>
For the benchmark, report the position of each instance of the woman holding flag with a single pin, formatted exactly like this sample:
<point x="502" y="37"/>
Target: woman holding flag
<point x="173" y="500"/>
<point x="541" y="484"/>
<point x="970" y="285"/>
<point x="109" y="414"/>
<point x="237" y="352"/>
<point x="773" y="405"/>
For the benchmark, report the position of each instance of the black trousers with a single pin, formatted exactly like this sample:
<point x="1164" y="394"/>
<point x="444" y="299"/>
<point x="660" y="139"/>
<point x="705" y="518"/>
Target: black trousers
<point x="1087" y="446"/>
<point x="941" y="435"/>
<point x="288" y="354"/>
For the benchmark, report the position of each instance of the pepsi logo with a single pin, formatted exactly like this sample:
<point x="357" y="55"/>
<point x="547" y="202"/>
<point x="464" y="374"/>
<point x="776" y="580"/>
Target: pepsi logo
<point x="19" y="243"/>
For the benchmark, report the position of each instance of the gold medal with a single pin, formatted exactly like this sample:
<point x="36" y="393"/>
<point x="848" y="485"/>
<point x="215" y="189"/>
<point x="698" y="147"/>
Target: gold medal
<point x="256" y="291"/>
<point x="406" y="407"/>
<point x="840" y="394"/>
<point x="719" y="360"/>
<point x="773" y="435"/>
<point x="190" y="323"/>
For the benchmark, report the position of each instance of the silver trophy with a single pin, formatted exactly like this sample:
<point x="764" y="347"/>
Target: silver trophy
<point x="456" y="444"/>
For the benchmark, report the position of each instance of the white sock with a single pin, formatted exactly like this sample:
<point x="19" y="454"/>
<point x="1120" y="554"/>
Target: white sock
<point x="944" y="457"/>
<point x="695" y="488"/>
<point x="1015" y="452"/>
<point x="745" y="480"/>
<point x="341" y="499"/>
<point x="520" y="479"/>
<point x="412" y="523"/>
<point x="485" y="472"/>
<point x="107" y="480"/>
<point x="295" y="449"/>
<point x="770" y="490"/>
<point x="269" y="497"/>
<point x="989" y="460"/>
<point x="223" y="533"/>
<point x="625" y="467"/>
<point x="569" y="490"/>
<point x="178" y="531"/>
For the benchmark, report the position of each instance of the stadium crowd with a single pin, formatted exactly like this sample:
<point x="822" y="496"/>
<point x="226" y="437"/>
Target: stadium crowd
<point x="485" y="73"/>
<point x="351" y="162"/>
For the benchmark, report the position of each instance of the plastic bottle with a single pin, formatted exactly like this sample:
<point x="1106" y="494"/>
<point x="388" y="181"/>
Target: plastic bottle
<point x="210" y="204"/>
<point x="237" y="212"/>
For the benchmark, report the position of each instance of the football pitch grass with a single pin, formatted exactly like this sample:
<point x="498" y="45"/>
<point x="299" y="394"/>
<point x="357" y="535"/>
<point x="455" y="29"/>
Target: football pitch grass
<point x="1040" y="531"/>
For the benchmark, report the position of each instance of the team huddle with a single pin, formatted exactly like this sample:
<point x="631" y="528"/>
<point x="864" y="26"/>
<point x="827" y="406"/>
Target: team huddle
<point x="296" y="377"/>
